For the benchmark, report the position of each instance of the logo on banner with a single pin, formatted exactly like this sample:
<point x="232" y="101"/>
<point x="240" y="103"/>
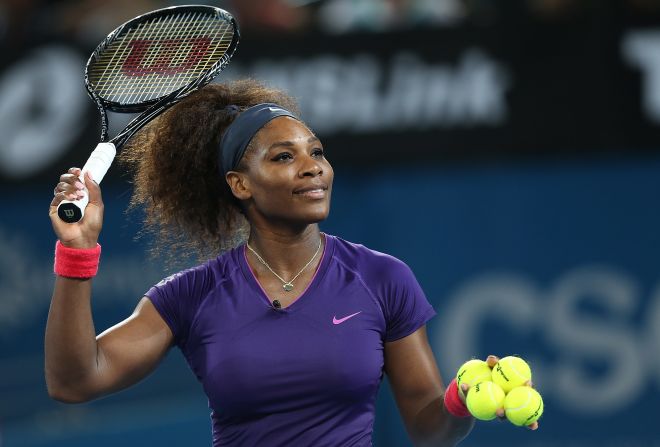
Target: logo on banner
<point x="642" y="50"/>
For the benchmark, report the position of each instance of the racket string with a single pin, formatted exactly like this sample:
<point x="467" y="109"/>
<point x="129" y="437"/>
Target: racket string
<point x="115" y="79"/>
<point x="162" y="56"/>
<point x="127" y="88"/>
<point x="139" y="95"/>
<point x="175" y="80"/>
<point x="109" y="84"/>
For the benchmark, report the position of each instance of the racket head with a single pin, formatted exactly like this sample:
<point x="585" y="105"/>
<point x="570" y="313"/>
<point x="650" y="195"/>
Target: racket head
<point x="159" y="55"/>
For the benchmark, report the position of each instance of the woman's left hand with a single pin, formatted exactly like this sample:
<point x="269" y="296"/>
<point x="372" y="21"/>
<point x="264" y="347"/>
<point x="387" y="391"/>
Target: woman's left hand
<point x="492" y="361"/>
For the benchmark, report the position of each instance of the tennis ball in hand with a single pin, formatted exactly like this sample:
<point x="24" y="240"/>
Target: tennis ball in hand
<point x="523" y="405"/>
<point x="484" y="399"/>
<point x="472" y="372"/>
<point x="511" y="372"/>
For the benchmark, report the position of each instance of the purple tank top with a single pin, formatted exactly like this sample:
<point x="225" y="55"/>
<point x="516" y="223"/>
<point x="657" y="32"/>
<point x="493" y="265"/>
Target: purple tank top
<point x="305" y="375"/>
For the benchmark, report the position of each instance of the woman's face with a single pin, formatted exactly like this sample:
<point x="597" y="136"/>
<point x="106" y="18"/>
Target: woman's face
<point x="288" y="178"/>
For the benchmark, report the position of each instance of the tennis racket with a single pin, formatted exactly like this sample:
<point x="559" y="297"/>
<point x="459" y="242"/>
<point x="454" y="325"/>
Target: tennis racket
<point x="145" y="66"/>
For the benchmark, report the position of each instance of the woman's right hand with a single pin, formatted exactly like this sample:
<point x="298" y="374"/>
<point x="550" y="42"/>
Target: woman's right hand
<point x="83" y="234"/>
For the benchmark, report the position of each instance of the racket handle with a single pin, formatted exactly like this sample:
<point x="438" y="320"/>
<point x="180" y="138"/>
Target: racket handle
<point x="97" y="165"/>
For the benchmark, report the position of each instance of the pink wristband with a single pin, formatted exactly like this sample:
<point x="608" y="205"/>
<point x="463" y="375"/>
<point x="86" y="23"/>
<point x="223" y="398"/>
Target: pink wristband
<point x="453" y="402"/>
<point x="76" y="262"/>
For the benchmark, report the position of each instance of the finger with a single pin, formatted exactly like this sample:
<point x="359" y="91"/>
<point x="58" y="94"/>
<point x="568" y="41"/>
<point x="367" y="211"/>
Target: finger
<point x="76" y="188"/>
<point x="94" y="190"/>
<point x="57" y="198"/>
<point x="492" y="360"/>
<point x="500" y="413"/>
<point x="464" y="388"/>
<point x="533" y="426"/>
<point x="72" y="180"/>
<point x="75" y="171"/>
<point x="69" y="178"/>
<point x="529" y="383"/>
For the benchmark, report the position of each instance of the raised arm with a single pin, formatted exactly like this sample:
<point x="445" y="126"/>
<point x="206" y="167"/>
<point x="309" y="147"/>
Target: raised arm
<point x="418" y="390"/>
<point x="80" y="366"/>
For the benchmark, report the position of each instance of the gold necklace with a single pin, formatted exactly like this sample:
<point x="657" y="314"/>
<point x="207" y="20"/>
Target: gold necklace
<point x="286" y="285"/>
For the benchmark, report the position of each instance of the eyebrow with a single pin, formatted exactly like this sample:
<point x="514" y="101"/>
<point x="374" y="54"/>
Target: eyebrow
<point x="287" y="143"/>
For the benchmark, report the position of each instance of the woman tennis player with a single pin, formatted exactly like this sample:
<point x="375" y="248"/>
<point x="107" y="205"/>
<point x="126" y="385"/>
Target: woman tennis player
<point x="288" y="329"/>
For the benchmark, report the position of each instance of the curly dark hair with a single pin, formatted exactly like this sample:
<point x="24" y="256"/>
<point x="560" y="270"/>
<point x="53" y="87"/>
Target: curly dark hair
<point x="188" y="206"/>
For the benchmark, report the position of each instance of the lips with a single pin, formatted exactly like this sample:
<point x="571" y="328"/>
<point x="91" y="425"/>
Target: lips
<point x="320" y="187"/>
<point x="316" y="191"/>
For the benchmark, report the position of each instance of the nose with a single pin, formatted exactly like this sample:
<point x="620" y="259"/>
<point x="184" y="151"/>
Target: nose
<point x="310" y="168"/>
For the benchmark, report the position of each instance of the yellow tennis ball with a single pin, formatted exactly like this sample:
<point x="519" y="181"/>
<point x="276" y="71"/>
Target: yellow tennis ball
<point x="523" y="405"/>
<point x="483" y="400"/>
<point x="511" y="372"/>
<point x="472" y="372"/>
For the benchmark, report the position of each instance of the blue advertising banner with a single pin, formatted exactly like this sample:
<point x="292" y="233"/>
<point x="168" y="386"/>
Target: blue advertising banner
<point x="556" y="261"/>
<point x="483" y="92"/>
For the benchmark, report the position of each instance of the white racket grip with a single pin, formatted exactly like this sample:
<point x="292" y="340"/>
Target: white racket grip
<point x="97" y="165"/>
<point x="99" y="161"/>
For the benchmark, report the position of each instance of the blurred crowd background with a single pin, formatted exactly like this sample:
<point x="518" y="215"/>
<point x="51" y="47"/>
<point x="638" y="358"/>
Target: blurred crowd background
<point x="509" y="152"/>
<point x="84" y="20"/>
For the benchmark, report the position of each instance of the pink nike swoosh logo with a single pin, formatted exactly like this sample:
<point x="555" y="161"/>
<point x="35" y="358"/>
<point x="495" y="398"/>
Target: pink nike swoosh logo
<point x="341" y="320"/>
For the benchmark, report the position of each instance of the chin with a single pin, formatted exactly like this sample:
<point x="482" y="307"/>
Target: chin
<point x="318" y="215"/>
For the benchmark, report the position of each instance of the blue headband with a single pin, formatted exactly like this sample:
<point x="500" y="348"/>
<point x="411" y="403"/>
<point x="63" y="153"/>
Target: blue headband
<point x="241" y="131"/>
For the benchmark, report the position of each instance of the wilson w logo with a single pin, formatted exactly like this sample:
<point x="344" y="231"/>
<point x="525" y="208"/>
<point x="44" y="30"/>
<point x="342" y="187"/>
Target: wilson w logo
<point x="164" y="57"/>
